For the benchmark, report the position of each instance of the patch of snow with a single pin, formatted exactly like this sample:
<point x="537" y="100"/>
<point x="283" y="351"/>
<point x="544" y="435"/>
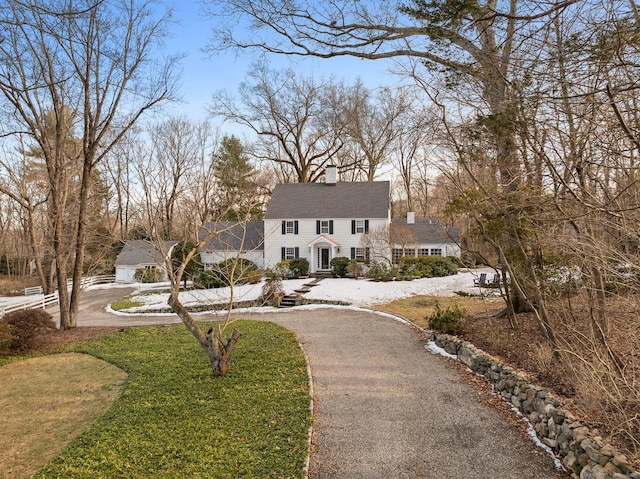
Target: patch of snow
<point x="361" y="293"/>
<point x="534" y="437"/>
<point x="435" y="349"/>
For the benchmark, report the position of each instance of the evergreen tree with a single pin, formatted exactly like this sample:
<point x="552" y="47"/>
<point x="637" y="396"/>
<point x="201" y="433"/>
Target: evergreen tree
<point x="235" y="177"/>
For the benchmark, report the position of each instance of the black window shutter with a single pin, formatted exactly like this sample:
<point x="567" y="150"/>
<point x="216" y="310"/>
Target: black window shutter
<point x="353" y="227"/>
<point x="284" y="227"/>
<point x="367" y="255"/>
<point x="283" y="253"/>
<point x="317" y="227"/>
<point x="297" y="252"/>
<point x="353" y="253"/>
<point x="330" y="227"/>
<point x="366" y="226"/>
<point x="295" y="227"/>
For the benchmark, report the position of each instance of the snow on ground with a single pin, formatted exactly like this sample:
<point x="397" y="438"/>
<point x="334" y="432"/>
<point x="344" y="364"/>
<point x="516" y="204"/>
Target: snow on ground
<point x="366" y="293"/>
<point x="360" y="292"/>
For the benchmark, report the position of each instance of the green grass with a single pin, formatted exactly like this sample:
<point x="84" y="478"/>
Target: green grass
<point x="175" y="420"/>
<point x="125" y="303"/>
<point x="132" y="300"/>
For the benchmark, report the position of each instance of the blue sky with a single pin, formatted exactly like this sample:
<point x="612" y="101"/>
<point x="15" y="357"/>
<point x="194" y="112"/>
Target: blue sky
<point x="203" y="75"/>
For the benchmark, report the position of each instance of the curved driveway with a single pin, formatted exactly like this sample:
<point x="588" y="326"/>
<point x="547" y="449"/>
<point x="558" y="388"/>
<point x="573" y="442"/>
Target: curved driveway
<point x="384" y="407"/>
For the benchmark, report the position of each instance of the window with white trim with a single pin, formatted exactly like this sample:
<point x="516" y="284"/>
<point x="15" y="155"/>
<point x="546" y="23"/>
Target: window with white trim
<point x="436" y="251"/>
<point x="324" y="227"/>
<point x="289" y="253"/>
<point x="290" y="227"/>
<point x="409" y="252"/>
<point x="359" y="226"/>
<point x="396" y="254"/>
<point x="423" y="252"/>
<point x="362" y="254"/>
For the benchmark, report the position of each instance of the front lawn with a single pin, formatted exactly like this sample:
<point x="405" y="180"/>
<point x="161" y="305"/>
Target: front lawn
<point x="418" y="308"/>
<point x="175" y="420"/>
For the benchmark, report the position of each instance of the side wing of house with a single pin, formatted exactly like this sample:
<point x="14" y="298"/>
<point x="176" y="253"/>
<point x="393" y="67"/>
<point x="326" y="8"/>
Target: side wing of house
<point x="233" y="240"/>
<point x="423" y="237"/>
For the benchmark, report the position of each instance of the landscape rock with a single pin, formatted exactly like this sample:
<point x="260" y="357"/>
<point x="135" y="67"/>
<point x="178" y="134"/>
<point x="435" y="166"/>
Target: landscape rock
<point x="580" y="449"/>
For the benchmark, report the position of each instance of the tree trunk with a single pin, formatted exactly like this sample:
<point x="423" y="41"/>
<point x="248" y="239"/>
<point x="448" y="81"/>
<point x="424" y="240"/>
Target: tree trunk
<point x="46" y="285"/>
<point x="218" y="350"/>
<point x="81" y="234"/>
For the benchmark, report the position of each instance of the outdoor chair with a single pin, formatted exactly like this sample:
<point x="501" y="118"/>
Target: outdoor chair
<point x="481" y="281"/>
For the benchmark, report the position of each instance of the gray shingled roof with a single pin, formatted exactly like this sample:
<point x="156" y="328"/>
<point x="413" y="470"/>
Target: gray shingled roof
<point x="231" y="237"/>
<point x="142" y="252"/>
<point x="429" y="231"/>
<point x="320" y="200"/>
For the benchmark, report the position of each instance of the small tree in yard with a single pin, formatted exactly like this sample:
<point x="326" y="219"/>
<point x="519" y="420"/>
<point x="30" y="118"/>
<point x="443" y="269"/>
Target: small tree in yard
<point x="217" y="345"/>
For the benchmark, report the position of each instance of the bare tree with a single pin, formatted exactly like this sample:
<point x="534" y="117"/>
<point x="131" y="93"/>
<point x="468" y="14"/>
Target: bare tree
<point x="25" y="189"/>
<point x="216" y="342"/>
<point x="178" y="148"/>
<point x="286" y="111"/>
<point x="95" y="62"/>
<point x="374" y="123"/>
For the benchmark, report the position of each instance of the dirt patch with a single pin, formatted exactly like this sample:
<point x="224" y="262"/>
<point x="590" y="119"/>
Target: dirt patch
<point x="52" y="340"/>
<point x="48" y="401"/>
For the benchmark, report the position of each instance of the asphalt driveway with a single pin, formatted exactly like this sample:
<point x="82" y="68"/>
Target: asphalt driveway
<point x="384" y="407"/>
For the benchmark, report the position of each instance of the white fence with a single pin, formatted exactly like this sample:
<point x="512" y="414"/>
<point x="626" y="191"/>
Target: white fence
<point x="50" y="299"/>
<point x="41" y="302"/>
<point x="84" y="282"/>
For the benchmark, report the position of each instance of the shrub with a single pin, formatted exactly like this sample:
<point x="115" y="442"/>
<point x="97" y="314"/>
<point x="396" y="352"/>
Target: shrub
<point x="449" y="320"/>
<point x="429" y="267"/>
<point x="283" y="269"/>
<point x="379" y="271"/>
<point x="211" y="278"/>
<point x="272" y="287"/>
<point x="6" y="338"/>
<point x="339" y="266"/>
<point x="25" y="325"/>
<point x="455" y="260"/>
<point x="148" y="275"/>
<point x="299" y="267"/>
<point x="443" y="267"/>
<point x="355" y="268"/>
<point x="246" y="271"/>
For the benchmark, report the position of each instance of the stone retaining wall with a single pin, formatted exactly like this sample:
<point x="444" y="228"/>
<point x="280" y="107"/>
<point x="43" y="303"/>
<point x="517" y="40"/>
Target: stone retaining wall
<point x="582" y="451"/>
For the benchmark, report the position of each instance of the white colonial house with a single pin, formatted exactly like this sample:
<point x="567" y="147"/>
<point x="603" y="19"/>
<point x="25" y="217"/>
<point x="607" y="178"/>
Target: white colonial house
<point x="232" y="239"/>
<point x="321" y="221"/>
<point x="315" y="221"/>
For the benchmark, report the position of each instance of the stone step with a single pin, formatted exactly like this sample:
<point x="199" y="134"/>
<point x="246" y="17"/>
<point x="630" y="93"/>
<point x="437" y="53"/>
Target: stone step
<point x="290" y="301"/>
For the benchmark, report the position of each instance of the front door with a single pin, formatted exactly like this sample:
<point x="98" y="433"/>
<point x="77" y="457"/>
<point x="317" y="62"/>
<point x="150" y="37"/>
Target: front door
<point x="324" y="258"/>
